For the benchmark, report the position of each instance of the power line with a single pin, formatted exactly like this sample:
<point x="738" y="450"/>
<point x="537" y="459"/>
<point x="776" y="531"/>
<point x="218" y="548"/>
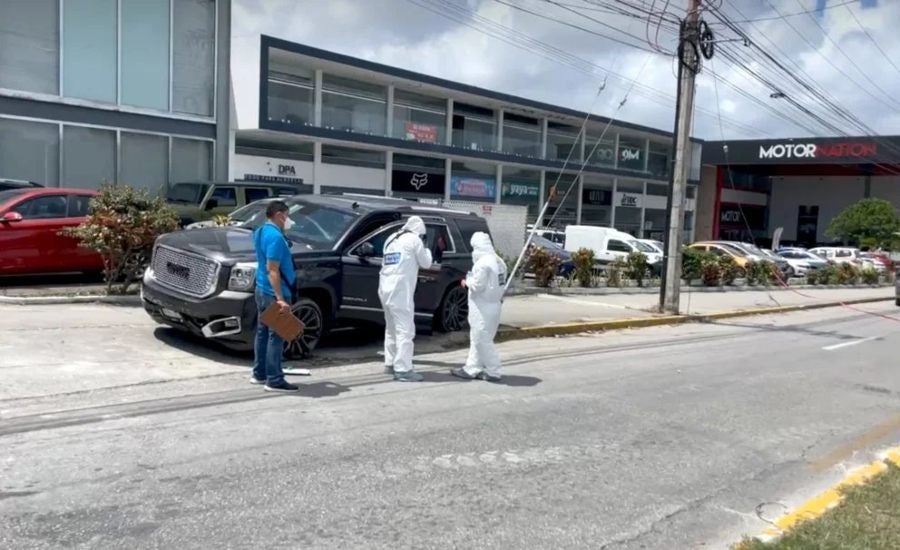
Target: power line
<point x="877" y="45"/>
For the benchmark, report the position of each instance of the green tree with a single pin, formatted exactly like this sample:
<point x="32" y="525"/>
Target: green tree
<point x="869" y="222"/>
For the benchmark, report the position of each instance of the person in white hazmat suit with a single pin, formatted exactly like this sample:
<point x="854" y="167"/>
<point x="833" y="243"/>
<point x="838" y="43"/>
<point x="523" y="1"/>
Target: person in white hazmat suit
<point x="485" y="283"/>
<point x="404" y="255"/>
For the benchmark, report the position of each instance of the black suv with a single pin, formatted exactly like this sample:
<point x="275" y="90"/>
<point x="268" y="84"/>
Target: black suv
<point x="203" y="280"/>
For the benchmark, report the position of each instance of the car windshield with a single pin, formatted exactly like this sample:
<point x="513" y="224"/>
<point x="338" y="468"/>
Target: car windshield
<point x="545" y="243"/>
<point x="10" y="194"/>
<point x="734" y="249"/>
<point x="186" y="193"/>
<point x="644" y="247"/>
<point x="246" y="214"/>
<point x="319" y="227"/>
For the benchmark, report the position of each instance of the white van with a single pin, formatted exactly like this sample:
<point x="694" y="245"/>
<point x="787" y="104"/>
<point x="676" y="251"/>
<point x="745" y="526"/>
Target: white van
<point x="609" y="244"/>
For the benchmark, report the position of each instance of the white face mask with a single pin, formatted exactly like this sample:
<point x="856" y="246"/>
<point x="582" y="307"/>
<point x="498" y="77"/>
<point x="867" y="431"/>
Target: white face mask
<point x="288" y="224"/>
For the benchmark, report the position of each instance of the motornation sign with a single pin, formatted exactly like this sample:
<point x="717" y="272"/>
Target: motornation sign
<point x="818" y="150"/>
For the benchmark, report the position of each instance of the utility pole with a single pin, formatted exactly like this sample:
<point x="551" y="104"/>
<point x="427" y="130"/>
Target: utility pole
<point x="693" y="42"/>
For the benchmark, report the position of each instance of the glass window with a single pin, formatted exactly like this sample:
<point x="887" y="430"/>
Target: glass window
<point x="563" y="209"/>
<point x="193" y="56"/>
<point x="473" y="181"/>
<point x="144" y="161"/>
<point x="353" y="106"/>
<point x="291" y="89"/>
<point x="654" y="223"/>
<point x="79" y="206"/>
<point x="285" y="150"/>
<point x="658" y="159"/>
<point x="691" y="191"/>
<point x="521" y="135"/>
<point x="600" y="152"/>
<point x="89" y="157"/>
<point x="631" y="153"/>
<point x="630" y="186"/>
<point x="191" y="160"/>
<point x="616" y="245"/>
<point x="523" y="188"/>
<point x="474" y="128"/>
<point x="433" y="235"/>
<point x="347" y="156"/>
<point x="415" y="176"/>
<point x="628" y="220"/>
<point x="186" y="193"/>
<point x="419" y="118"/>
<point x="658" y="190"/>
<point x="596" y="201"/>
<point x="29" y="45"/>
<point x="29" y="151"/>
<point x="89" y="50"/>
<point x="43" y="208"/>
<point x="252" y="194"/>
<point x="224" y="196"/>
<point x="318" y="227"/>
<point x="145" y="53"/>
<point x="561" y="138"/>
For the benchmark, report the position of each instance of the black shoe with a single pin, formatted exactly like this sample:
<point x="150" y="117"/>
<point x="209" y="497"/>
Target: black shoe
<point x="283" y="387"/>
<point x="488" y="378"/>
<point x="460" y="372"/>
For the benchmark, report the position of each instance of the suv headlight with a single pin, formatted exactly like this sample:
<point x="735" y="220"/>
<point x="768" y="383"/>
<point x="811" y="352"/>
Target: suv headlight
<point x="242" y="277"/>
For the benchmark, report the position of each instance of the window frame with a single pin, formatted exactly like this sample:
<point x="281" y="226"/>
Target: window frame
<point x="28" y="201"/>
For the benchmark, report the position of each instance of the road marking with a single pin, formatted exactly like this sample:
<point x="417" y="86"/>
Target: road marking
<point x="848" y="344"/>
<point x="581" y="302"/>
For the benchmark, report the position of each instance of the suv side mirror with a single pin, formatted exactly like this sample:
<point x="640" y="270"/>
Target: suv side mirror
<point x="12" y="217"/>
<point x="212" y="203"/>
<point x="366" y="250"/>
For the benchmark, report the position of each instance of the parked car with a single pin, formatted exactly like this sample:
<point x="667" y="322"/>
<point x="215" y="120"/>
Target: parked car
<point x="609" y="245"/>
<point x="30" y="222"/>
<point x="757" y="254"/>
<point x="802" y="261"/>
<point x="241" y="216"/>
<point x="8" y="184"/>
<point x="203" y="280"/>
<point x="844" y="255"/>
<point x="741" y="257"/>
<point x="879" y="262"/>
<point x="200" y="201"/>
<point x="566" y="265"/>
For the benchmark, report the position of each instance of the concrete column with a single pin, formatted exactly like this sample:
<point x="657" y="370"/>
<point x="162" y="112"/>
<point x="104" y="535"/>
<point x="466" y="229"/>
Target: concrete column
<point x="317" y="167"/>
<point x="448" y="139"/>
<point x="543" y="138"/>
<point x="389" y="127"/>
<point x="317" y="99"/>
<point x="578" y="198"/>
<point x="499" y="183"/>
<point x="499" y="119"/>
<point x="389" y="171"/>
<point x="447" y="174"/>
<point x="612" y="209"/>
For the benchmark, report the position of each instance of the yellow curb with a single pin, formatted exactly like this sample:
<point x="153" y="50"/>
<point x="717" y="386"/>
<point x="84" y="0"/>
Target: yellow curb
<point x="821" y="503"/>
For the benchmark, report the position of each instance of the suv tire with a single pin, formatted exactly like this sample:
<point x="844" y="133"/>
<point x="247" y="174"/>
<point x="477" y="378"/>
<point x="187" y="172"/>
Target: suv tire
<point x="310" y="313"/>
<point x="453" y="313"/>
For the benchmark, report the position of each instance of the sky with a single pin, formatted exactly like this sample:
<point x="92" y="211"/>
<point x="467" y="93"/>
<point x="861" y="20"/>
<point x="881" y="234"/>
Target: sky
<point x="840" y="47"/>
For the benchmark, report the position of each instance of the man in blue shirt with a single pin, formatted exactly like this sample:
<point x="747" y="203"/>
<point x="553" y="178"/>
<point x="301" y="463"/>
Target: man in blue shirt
<point x="275" y="280"/>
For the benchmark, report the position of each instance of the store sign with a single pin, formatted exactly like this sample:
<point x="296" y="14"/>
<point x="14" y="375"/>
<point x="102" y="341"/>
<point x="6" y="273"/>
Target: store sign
<point x="596" y="196"/>
<point x="475" y="188"/>
<point x="629" y="200"/>
<point x="270" y="170"/>
<point x="630" y="155"/>
<point x="421" y="132"/>
<point x="426" y="183"/>
<point x="814" y="151"/>
<point x="521" y="190"/>
<point x="743" y="216"/>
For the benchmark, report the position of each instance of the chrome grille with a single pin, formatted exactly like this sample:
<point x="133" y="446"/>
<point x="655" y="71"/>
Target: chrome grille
<point x="188" y="273"/>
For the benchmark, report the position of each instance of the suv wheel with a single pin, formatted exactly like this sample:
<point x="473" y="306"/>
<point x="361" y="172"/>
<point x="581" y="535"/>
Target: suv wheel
<point x="453" y="314"/>
<point x="311" y="314"/>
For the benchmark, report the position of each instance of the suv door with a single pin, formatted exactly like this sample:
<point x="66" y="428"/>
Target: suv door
<point x="432" y="282"/>
<point x="360" y="284"/>
<point x="221" y="199"/>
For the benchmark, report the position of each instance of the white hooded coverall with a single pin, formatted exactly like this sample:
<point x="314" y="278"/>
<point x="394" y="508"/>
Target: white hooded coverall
<point x="485" y="283"/>
<point x="404" y="255"/>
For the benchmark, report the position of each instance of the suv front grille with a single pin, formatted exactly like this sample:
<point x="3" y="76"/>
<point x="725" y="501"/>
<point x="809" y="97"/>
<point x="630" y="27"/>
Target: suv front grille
<point x="185" y="272"/>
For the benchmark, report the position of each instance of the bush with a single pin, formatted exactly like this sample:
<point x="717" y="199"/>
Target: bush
<point x="122" y="226"/>
<point x="614" y="273"/>
<point x="711" y="273"/>
<point x="870" y="276"/>
<point x="584" y="266"/>
<point x="762" y="273"/>
<point x="637" y="268"/>
<point x="544" y="265"/>
<point x="730" y="270"/>
<point x="692" y="263"/>
<point x="812" y="276"/>
<point x="847" y="274"/>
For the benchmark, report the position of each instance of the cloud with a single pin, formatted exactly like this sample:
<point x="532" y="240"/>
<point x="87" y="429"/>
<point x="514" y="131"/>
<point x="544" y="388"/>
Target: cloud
<point x="403" y="34"/>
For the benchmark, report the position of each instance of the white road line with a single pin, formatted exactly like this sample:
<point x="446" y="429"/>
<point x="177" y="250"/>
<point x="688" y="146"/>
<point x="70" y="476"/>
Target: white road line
<point x="848" y="344"/>
<point x="581" y="302"/>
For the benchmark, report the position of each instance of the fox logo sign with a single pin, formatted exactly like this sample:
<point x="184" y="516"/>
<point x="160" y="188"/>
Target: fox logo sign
<point x="418" y="181"/>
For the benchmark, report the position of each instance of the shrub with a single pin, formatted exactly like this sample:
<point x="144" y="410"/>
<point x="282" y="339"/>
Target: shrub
<point x="846" y="274"/>
<point x="711" y="273"/>
<point x="812" y="276"/>
<point x="730" y="270"/>
<point x="544" y="265"/>
<point x="762" y="273"/>
<point x="614" y="273"/>
<point x="637" y="268"/>
<point x="870" y="276"/>
<point x="584" y="266"/>
<point x="692" y="263"/>
<point x="122" y="226"/>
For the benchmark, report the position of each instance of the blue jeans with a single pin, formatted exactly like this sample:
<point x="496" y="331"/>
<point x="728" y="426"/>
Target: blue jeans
<point x="269" y="347"/>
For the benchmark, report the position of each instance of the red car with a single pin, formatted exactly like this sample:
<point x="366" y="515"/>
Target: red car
<point x="30" y="221"/>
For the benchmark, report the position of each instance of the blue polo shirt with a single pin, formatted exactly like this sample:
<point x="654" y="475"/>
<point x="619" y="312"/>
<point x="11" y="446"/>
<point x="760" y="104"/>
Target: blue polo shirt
<point x="271" y="245"/>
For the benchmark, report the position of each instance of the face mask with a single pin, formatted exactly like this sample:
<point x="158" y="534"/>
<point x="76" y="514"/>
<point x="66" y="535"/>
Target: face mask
<point x="288" y="224"/>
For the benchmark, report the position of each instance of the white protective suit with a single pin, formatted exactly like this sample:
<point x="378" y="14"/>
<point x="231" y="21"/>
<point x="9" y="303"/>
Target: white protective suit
<point x="485" y="283"/>
<point x="404" y="255"/>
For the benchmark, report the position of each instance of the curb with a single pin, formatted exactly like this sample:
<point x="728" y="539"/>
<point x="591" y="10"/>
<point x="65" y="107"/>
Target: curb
<point x="644" y="322"/>
<point x="606" y="291"/>
<point x="821" y="503"/>
<point x="129" y="300"/>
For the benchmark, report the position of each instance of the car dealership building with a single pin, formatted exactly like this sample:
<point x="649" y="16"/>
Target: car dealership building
<point x="751" y="188"/>
<point x="332" y="123"/>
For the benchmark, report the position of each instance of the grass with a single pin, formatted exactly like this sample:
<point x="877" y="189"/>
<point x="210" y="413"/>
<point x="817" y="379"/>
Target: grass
<point x="868" y="518"/>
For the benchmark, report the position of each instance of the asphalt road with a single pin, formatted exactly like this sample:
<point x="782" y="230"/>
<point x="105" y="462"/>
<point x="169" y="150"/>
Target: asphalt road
<point x="674" y="437"/>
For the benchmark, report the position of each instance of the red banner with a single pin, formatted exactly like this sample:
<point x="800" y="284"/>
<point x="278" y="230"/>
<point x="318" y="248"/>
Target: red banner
<point x="421" y="132"/>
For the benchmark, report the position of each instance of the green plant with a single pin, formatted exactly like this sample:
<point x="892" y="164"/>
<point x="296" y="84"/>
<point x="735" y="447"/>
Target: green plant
<point x="730" y="270"/>
<point x="584" y="266"/>
<point x="122" y="226"/>
<point x="637" y="268"/>
<point x="544" y="265"/>
<point x="812" y="276"/>
<point x="847" y="274"/>
<point x="870" y="276"/>
<point x="692" y="263"/>
<point x="614" y="273"/>
<point x="869" y="222"/>
<point x="221" y="220"/>
<point x="711" y="273"/>
<point x="761" y="273"/>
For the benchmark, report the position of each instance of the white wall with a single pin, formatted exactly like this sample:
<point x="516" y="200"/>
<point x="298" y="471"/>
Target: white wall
<point x="830" y="193"/>
<point x="351" y="176"/>
<point x="888" y="188"/>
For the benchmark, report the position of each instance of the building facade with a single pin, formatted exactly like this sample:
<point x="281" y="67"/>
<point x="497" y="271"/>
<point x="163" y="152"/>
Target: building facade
<point x="127" y="91"/>
<point x="799" y="185"/>
<point x="332" y="123"/>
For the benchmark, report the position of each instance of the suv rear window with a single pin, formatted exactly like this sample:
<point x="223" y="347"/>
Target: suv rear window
<point x="468" y="226"/>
